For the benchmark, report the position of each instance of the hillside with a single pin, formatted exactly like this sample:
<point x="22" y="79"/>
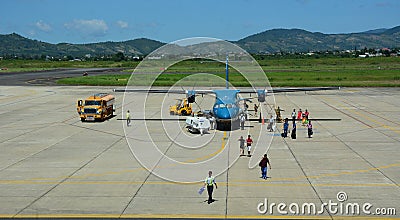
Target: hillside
<point x="270" y="41"/>
<point x="297" y="40"/>
<point x="14" y="44"/>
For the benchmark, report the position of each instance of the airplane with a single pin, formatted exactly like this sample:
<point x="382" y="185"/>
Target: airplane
<point x="226" y="108"/>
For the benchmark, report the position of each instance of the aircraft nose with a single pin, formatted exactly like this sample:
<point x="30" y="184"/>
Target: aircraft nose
<point x="226" y="113"/>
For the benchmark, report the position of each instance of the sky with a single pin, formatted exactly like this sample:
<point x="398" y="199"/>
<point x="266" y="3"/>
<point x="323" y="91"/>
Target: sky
<point x="89" y="21"/>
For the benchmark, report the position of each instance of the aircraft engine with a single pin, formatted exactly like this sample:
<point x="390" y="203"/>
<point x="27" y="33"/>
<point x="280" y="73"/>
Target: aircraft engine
<point x="261" y="95"/>
<point x="191" y="96"/>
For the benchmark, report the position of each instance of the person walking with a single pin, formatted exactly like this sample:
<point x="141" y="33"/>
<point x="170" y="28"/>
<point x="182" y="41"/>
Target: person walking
<point x="285" y="128"/>
<point x="212" y="122"/>
<point x="306" y="114"/>
<point x="293" y="135"/>
<point x="249" y="141"/>
<point x="294" y="115"/>
<point x="255" y="109"/>
<point x="271" y="124"/>
<point x="128" y="118"/>
<point x="299" y="114"/>
<point x="241" y="145"/>
<point x="309" y="129"/>
<point x="304" y="119"/>
<point x="278" y="114"/>
<point x="263" y="164"/>
<point x="209" y="182"/>
<point x="242" y="121"/>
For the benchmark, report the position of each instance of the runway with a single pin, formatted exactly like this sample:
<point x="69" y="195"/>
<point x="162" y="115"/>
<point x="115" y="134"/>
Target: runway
<point x="49" y="77"/>
<point x="53" y="165"/>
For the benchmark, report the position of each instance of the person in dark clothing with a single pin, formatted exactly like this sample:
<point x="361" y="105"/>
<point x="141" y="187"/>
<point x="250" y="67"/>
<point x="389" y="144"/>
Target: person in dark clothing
<point x="309" y="129"/>
<point x="210" y="182"/>
<point x="293" y="135"/>
<point x="263" y="164"/>
<point x="285" y="128"/>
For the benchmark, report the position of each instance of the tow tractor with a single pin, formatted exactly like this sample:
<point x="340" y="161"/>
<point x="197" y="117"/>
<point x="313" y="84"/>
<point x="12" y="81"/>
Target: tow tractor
<point x="182" y="107"/>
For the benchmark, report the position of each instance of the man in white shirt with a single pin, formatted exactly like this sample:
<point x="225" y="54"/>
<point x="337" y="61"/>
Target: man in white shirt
<point x="271" y="124"/>
<point x="294" y="115"/>
<point x="242" y="121"/>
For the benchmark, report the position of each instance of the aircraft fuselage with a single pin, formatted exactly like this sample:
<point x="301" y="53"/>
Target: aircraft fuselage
<point x="226" y="108"/>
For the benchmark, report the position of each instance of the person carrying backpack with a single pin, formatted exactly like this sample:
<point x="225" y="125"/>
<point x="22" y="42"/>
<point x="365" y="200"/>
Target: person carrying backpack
<point x="285" y="128"/>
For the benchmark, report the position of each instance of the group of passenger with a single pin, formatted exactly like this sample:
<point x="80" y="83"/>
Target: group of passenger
<point x="301" y="116"/>
<point x="242" y="146"/>
<point x="246" y="143"/>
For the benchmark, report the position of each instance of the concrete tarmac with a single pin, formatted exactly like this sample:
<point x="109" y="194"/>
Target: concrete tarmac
<point x="53" y="165"/>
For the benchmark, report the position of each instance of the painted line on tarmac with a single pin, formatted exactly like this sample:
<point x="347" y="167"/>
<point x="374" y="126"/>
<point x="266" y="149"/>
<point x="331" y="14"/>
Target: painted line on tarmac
<point x="30" y="92"/>
<point x="264" y="183"/>
<point x="367" y="161"/>
<point x="363" y="116"/>
<point x="370" y="113"/>
<point x="48" y="180"/>
<point x="223" y="144"/>
<point x="375" y="121"/>
<point x="333" y="174"/>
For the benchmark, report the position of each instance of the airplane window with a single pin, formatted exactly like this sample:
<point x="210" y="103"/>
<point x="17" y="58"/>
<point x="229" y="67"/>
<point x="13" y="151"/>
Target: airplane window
<point x="221" y="105"/>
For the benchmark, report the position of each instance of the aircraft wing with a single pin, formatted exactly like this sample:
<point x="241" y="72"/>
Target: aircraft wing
<point x="161" y="91"/>
<point x="203" y="91"/>
<point x="280" y="90"/>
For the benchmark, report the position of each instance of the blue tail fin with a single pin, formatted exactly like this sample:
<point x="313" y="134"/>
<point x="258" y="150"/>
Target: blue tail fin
<point x="227" y="73"/>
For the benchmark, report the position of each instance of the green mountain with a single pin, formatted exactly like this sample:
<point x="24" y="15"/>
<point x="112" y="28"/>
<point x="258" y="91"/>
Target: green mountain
<point x="14" y="44"/>
<point x="297" y="40"/>
<point x="270" y="41"/>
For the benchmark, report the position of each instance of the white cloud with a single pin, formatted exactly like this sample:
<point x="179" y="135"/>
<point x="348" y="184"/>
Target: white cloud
<point x="122" y="24"/>
<point x="88" y="28"/>
<point x="43" y="26"/>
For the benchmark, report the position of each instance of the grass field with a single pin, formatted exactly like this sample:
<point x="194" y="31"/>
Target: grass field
<point x="39" y="65"/>
<point x="348" y="72"/>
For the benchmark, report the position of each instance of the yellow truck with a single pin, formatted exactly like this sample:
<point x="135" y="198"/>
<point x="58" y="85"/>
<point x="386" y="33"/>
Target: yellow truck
<point x="99" y="106"/>
<point x="182" y="107"/>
